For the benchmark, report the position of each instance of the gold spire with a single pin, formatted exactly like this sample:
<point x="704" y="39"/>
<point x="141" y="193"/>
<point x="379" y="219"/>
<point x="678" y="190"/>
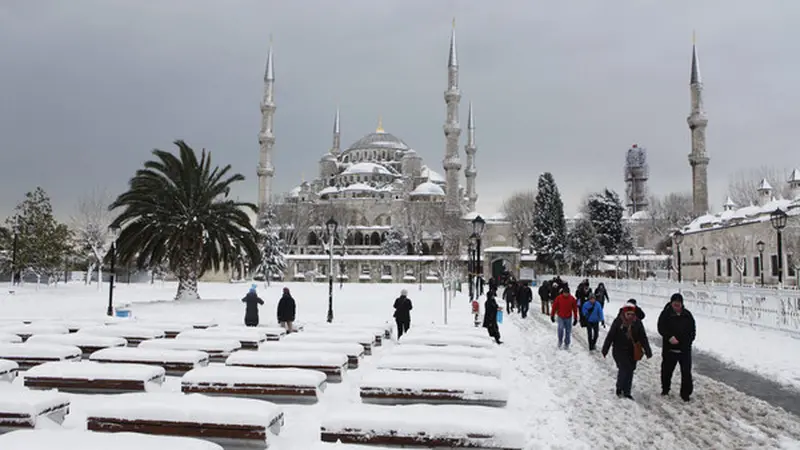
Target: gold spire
<point x="454" y="22"/>
<point x="694" y="37"/>
<point x="380" y="125"/>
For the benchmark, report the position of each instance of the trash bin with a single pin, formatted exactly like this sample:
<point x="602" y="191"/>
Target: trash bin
<point x="122" y="313"/>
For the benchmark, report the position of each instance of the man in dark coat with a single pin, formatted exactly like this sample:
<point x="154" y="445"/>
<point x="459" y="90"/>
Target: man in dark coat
<point x="402" y="313"/>
<point x="678" y="330"/>
<point x="544" y="296"/>
<point x="623" y="335"/>
<point x="524" y="298"/>
<point x="490" y="308"/>
<point x="601" y="294"/>
<point x="287" y="308"/>
<point x="510" y="295"/>
<point x="251" y="309"/>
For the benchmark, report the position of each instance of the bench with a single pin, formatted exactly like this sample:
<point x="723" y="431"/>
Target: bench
<point x="277" y="385"/>
<point x="230" y="422"/>
<point x="451" y="350"/>
<point x="442" y="339"/>
<point x="8" y="370"/>
<point x="25" y="331"/>
<point x="218" y="349"/>
<point x="87" y="440"/>
<point x="170" y="329"/>
<point x="366" y="340"/>
<point x="89" y="377"/>
<point x="25" y="409"/>
<point x="29" y="355"/>
<point x="133" y="334"/>
<point x="175" y="362"/>
<point x="249" y="338"/>
<point x="333" y="365"/>
<point x="432" y="426"/>
<point x="7" y="338"/>
<point x="441" y="363"/>
<point x="88" y="343"/>
<point x="379" y="332"/>
<point x="394" y="387"/>
<point x="73" y="325"/>
<point x="353" y="351"/>
<point x="451" y="330"/>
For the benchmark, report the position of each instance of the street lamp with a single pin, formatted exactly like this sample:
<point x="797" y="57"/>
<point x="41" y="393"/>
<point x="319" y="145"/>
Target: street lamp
<point x="704" y="252"/>
<point x="114" y="232"/>
<point x="778" y="219"/>
<point x="341" y="266"/>
<point x="478" y="225"/>
<point x="760" y="246"/>
<point x="419" y="265"/>
<point x="677" y="238"/>
<point x="330" y="227"/>
<point x="473" y="238"/>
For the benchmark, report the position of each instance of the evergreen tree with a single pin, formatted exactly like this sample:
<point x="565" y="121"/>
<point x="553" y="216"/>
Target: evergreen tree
<point x="273" y="248"/>
<point x="605" y="211"/>
<point x="583" y="246"/>
<point x="549" y="226"/>
<point x="395" y="243"/>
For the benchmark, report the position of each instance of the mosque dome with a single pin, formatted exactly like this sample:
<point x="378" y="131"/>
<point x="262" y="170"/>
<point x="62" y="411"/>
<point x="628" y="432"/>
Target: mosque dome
<point x="379" y="140"/>
<point x="428" y="188"/>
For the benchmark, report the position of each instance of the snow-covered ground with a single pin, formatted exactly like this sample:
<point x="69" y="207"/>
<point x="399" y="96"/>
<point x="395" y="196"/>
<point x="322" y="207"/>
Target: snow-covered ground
<point x="563" y="399"/>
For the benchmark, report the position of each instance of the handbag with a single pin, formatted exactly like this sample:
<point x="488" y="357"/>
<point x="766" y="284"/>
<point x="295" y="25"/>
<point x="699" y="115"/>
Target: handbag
<point x="499" y="316"/>
<point x="638" y="351"/>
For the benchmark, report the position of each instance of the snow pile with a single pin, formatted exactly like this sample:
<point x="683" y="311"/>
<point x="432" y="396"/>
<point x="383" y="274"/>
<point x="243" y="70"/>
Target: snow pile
<point x="30" y="403"/>
<point x="124" y="331"/>
<point x="126" y="354"/>
<point x="457" y="330"/>
<point x="7" y="338"/>
<point x="25" y="330"/>
<point x="78" y="340"/>
<point x="89" y="370"/>
<point x="87" y="440"/>
<point x="172" y="327"/>
<point x="448" y="350"/>
<point x="364" y="338"/>
<point x="443" y="339"/>
<point x="232" y="375"/>
<point x="221" y="345"/>
<point x="8" y="370"/>
<point x="286" y="359"/>
<point x="468" y="386"/>
<point x="48" y="351"/>
<point x="441" y="363"/>
<point x="349" y="349"/>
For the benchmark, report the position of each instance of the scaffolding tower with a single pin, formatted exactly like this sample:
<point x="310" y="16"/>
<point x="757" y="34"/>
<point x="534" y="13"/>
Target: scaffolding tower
<point x="636" y="175"/>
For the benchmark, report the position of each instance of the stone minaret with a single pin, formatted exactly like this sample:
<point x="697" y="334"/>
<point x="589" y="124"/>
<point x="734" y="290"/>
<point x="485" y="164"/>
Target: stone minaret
<point x="470" y="173"/>
<point x="266" y="138"/>
<point x="335" y="150"/>
<point x="697" y="121"/>
<point x="452" y="130"/>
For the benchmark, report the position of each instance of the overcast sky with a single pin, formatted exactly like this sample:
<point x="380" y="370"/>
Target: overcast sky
<point x="89" y="87"/>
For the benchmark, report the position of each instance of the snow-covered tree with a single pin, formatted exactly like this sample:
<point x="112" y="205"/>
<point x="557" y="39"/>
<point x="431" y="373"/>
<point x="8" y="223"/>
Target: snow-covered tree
<point x="735" y="246"/>
<point x="519" y="210"/>
<point x="583" y="246"/>
<point x="91" y="235"/>
<point x="273" y="248"/>
<point x="605" y="212"/>
<point x="665" y="215"/>
<point x="395" y="243"/>
<point x="549" y="227"/>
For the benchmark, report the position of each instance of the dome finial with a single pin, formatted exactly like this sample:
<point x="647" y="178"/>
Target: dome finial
<point x="380" y="125"/>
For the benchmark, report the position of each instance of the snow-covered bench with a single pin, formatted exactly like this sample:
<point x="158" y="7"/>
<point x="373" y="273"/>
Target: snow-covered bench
<point x="447" y="350"/>
<point x="273" y="333"/>
<point x="133" y="334"/>
<point x="379" y="331"/>
<point x="175" y="362"/>
<point x="432" y="426"/>
<point x="25" y="409"/>
<point x="333" y="365"/>
<point x="88" y="343"/>
<point x="87" y="440"/>
<point x="249" y="338"/>
<point x="92" y="377"/>
<point x="170" y="329"/>
<point x="397" y="387"/>
<point x="218" y="349"/>
<point x="366" y="340"/>
<point x="441" y="363"/>
<point x="353" y="351"/>
<point x="25" y="331"/>
<point x="278" y="385"/>
<point x="340" y="446"/>
<point x="73" y="325"/>
<point x="234" y="422"/>
<point x="29" y="355"/>
<point x="442" y="339"/>
<point x="8" y="338"/>
<point x="451" y="330"/>
<point x="8" y="370"/>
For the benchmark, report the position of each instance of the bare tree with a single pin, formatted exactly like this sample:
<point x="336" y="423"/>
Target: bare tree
<point x="735" y="245"/>
<point x="791" y="240"/>
<point x="91" y="234"/>
<point x="519" y="210"/>
<point x="743" y="185"/>
<point x="293" y="219"/>
<point x="418" y="217"/>
<point x="674" y="210"/>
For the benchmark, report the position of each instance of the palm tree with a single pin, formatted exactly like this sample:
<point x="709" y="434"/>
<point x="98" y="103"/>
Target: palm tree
<point x="177" y="212"/>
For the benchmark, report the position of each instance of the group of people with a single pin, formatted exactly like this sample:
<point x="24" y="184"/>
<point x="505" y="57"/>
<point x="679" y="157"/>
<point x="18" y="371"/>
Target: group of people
<point x="287" y="309"/>
<point x="518" y="296"/>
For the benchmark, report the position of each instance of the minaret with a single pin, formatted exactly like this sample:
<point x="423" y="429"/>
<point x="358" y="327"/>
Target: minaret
<point x="470" y="173"/>
<point x="336" y="134"/>
<point x="266" y="138"/>
<point x="452" y="130"/>
<point x="697" y="121"/>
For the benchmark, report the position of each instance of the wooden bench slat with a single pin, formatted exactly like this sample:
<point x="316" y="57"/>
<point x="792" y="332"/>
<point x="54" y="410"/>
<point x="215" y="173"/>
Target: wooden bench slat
<point x="175" y="362"/>
<point x="249" y="338"/>
<point x="353" y="351"/>
<point x="88" y="343"/>
<point x="281" y="385"/>
<point x="403" y="387"/>
<point x="92" y="377"/>
<point x="218" y="349"/>
<point x="366" y="342"/>
<point x="22" y="409"/>
<point x="334" y="365"/>
<point x="30" y="355"/>
<point x="441" y="363"/>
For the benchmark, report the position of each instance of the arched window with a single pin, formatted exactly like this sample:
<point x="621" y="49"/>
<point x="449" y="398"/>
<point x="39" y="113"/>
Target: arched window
<point x="359" y="238"/>
<point x="312" y="239"/>
<point x="436" y="248"/>
<point x="349" y="240"/>
<point x="375" y="238"/>
<point x="388" y="221"/>
<point x="409" y="248"/>
<point x="426" y="250"/>
<point x="383" y="237"/>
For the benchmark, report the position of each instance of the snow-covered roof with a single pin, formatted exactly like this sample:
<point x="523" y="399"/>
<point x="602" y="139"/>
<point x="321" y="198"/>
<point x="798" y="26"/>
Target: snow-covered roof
<point x="502" y="249"/>
<point x="428" y="188"/>
<point x="729" y="203"/>
<point x="640" y="215"/>
<point x="794" y="177"/>
<point x="764" y="185"/>
<point x="366" y="167"/>
<point x="751" y="213"/>
<point x="432" y="175"/>
<point x="329" y="190"/>
<point x="359" y="187"/>
<point x="295" y="192"/>
<point x="579" y="216"/>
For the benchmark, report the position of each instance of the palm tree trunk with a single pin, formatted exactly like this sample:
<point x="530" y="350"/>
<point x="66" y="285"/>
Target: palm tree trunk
<point x="187" y="280"/>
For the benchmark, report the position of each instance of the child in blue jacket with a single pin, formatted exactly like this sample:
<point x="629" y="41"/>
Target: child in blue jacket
<point x="593" y="312"/>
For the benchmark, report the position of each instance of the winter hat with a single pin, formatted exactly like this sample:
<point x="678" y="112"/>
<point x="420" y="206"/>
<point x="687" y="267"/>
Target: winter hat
<point x="404" y="292"/>
<point x="253" y="287"/>
<point x="630" y="306"/>
<point x="676" y="297"/>
<point x="285" y="290"/>
<point x="632" y="301"/>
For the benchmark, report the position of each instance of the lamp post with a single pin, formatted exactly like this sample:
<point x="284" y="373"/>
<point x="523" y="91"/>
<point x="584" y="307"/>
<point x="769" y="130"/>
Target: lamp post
<point x="677" y="238"/>
<point x="14" y="252"/>
<point x="471" y="265"/>
<point x="760" y="246"/>
<point x="778" y="219"/>
<point x="330" y="227"/>
<point x="419" y="265"/>
<point x="341" y="266"/>
<point x="114" y="230"/>
<point x="704" y="251"/>
<point x="478" y="225"/>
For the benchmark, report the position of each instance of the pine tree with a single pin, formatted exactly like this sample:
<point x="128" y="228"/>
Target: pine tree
<point x="549" y="226"/>
<point x="605" y="211"/>
<point x="395" y="243"/>
<point x="273" y="247"/>
<point x="583" y="246"/>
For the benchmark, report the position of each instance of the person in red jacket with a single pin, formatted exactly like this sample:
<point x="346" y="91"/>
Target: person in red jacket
<point x="566" y="307"/>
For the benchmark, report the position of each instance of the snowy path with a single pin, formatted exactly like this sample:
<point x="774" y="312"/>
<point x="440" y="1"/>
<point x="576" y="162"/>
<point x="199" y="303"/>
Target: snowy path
<point x="567" y="401"/>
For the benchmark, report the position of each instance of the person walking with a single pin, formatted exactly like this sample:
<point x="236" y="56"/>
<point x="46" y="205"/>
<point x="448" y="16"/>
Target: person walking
<point x="524" y="298"/>
<point x="490" y="309"/>
<point x="582" y="296"/>
<point x="510" y="295"/>
<point x="566" y="308"/>
<point x="402" y="313"/>
<point x="593" y="314"/>
<point x="251" y="301"/>
<point x="629" y="339"/>
<point x="678" y="330"/>
<point x="287" y="310"/>
<point x="601" y="294"/>
<point x="544" y="296"/>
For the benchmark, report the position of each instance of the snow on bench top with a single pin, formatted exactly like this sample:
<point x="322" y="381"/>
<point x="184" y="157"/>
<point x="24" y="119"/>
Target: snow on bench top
<point x="301" y="358"/>
<point x="7" y="338"/>
<point x="239" y="334"/>
<point x="41" y="328"/>
<point x="485" y="387"/>
<point x="454" y="350"/>
<point x="446" y="339"/>
<point x="72" y="323"/>
<point x="448" y="329"/>
<point x="39" y="351"/>
<point x="78" y="340"/>
<point x="149" y="355"/>
<point x="441" y="363"/>
<point x="234" y="375"/>
<point x="192" y="408"/>
<point x="377" y="328"/>
<point x="87" y="440"/>
<point x="348" y="348"/>
<point x="340" y="446"/>
<point x="163" y="326"/>
<point x="90" y="370"/>
<point x="433" y="420"/>
<point x="126" y="331"/>
<point x="30" y="402"/>
<point x="309" y="336"/>
<point x="207" y="345"/>
<point x="7" y="366"/>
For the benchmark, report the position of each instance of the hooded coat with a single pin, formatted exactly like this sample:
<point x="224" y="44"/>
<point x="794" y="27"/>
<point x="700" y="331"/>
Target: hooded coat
<point x="251" y="300"/>
<point x="287" y="308"/>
